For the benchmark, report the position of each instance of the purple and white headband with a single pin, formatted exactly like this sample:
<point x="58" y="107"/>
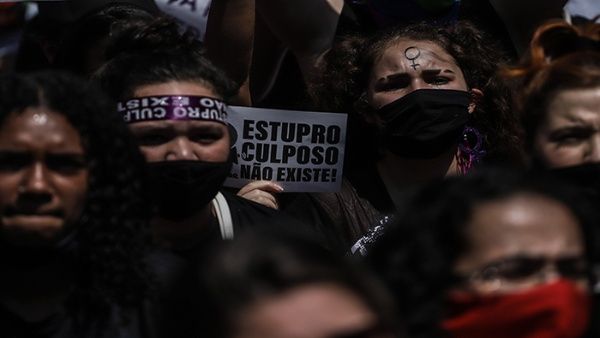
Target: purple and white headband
<point x="174" y="108"/>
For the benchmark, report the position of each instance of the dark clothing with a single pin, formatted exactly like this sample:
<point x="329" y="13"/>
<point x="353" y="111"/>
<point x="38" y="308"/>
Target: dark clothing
<point x="176" y="306"/>
<point x="60" y="325"/>
<point x="12" y="325"/>
<point x="247" y="214"/>
<point x="349" y="215"/>
<point x="179" y="305"/>
<point x="369" y="186"/>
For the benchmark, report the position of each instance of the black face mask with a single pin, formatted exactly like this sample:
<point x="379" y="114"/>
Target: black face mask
<point x="425" y="123"/>
<point x="181" y="188"/>
<point x="585" y="177"/>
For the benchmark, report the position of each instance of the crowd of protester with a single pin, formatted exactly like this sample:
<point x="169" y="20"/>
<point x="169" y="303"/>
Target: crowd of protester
<point x="468" y="205"/>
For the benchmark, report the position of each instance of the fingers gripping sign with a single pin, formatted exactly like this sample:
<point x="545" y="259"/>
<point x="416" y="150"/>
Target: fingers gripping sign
<point x="261" y="192"/>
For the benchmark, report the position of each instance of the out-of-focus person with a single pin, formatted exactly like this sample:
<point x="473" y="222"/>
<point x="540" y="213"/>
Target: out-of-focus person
<point x="492" y="254"/>
<point x="278" y="284"/>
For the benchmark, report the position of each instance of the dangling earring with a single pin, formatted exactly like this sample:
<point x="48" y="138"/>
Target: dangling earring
<point x="470" y="149"/>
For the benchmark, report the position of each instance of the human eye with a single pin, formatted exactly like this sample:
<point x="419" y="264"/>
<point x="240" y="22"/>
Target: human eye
<point x="512" y="269"/>
<point x="395" y="82"/>
<point x="66" y="164"/>
<point x="153" y="138"/>
<point x="440" y="81"/>
<point x="206" y="135"/>
<point x="520" y="268"/>
<point x="13" y="161"/>
<point x="437" y="77"/>
<point x="570" y="136"/>
<point x="390" y="86"/>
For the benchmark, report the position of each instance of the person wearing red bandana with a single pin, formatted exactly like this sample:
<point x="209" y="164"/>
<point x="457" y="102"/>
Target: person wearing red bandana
<point x="499" y="255"/>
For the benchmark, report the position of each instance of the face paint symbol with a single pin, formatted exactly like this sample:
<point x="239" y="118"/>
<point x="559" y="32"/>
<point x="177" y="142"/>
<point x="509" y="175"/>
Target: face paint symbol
<point x="412" y="53"/>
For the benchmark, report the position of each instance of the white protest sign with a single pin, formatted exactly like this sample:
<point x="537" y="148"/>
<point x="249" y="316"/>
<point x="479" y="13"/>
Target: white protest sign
<point x="193" y="13"/>
<point x="302" y="151"/>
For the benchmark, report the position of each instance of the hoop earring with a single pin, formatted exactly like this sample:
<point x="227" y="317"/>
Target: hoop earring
<point x="470" y="149"/>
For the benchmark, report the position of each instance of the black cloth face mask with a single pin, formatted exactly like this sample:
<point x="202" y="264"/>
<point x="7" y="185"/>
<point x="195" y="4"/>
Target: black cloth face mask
<point x="584" y="177"/>
<point x="424" y="123"/>
<point x="181" y="188"/>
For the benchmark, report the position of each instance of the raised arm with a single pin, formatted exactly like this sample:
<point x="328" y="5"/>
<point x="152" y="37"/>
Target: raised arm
<point x="229" y="41"/>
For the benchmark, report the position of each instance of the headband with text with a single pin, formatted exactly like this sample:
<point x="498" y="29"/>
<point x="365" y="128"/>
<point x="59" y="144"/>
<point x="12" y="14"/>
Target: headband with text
<point x="180" y="107"/>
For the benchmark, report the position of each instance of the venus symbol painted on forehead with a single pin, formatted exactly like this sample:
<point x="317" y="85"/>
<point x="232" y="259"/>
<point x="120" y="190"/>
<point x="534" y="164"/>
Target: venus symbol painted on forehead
<point x="412" y="53"/>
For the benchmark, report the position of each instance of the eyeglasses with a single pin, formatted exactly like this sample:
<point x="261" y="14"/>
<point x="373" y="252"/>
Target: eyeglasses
<point x="524" y="268"/>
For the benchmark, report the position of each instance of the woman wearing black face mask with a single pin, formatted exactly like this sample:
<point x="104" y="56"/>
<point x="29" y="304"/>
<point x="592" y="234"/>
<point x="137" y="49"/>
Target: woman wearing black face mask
<point x="174" y="101"/>
<point x="424" y="103"/>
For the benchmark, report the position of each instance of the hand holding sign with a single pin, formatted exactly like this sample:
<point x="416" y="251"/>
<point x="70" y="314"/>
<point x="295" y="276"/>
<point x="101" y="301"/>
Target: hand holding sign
<point x="261" y="192"/>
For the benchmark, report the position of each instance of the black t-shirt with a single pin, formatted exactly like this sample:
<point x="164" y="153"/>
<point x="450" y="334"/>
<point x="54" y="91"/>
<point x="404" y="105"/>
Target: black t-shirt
<point x="11" y="325"/>
<point x="247" y="214"/>
<point x="134" y="324"/>
<point x="174" y="308"/>
<point x="178" y="305"/>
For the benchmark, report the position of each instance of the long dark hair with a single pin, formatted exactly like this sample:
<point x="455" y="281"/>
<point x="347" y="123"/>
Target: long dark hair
<point x="112" y="234"/>
<point x="158" y="52"/>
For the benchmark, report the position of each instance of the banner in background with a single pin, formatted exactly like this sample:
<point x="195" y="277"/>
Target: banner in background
<point x="193" y="13"/>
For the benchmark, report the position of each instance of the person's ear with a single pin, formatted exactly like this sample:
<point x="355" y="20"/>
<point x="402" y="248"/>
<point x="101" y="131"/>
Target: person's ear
<point x="476" y="97"/>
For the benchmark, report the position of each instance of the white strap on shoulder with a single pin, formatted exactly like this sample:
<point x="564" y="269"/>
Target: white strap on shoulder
<point x="223" y="216"/>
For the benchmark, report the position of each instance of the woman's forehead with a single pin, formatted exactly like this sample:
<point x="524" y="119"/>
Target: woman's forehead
<point x="417" y="51"/>
<point x="192" y="88"/>
<point x="178" y="124"/>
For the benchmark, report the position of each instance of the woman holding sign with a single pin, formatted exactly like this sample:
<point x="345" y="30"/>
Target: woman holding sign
<point x="173" y="99"/>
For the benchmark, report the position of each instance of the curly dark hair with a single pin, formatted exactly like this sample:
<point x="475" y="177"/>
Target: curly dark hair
<point x="347" y="66"/>
<point x="155" y="53"/>
<point x="269" y="261"/>
<point x="417" y="253"/>
<point x="112" y="235"/>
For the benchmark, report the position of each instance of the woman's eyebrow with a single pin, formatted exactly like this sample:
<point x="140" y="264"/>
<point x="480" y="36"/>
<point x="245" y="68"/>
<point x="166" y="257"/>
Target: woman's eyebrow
<point x="394" y="77"/>
<point x="205" y="128"/>
<point x="434" y="72"/>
